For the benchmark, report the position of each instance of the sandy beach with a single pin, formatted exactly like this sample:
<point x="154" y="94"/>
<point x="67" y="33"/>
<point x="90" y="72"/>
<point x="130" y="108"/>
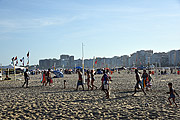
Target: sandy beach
<point x="54" y="102"/>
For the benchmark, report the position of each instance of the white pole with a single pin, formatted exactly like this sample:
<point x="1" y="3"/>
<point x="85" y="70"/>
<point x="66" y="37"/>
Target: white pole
<point x="1" y="73"/>
<point x="14" y="71"/>
<point x="54" y="66"/>
<point x="104" y="63"/>
<point x="83" y="64"/>
<point x="1" y="68"/>
<point x="93" y="62"/>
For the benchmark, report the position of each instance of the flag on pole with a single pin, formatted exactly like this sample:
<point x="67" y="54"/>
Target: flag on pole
<point x="15" y="58"/>
<point x="28" y="54"/>
<point x="28" y="58"/>
<point x="12" y="61"/>
<point x="22" y="60"/>
<point x="96" y="62"/>
<point x="16" y="62"/>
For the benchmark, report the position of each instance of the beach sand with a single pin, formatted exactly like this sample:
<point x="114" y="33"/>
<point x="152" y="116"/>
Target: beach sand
<point x="54" y="102"/>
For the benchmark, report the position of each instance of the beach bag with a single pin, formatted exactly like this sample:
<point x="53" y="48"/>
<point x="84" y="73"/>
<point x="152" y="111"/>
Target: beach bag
<point x="51" y="81"/>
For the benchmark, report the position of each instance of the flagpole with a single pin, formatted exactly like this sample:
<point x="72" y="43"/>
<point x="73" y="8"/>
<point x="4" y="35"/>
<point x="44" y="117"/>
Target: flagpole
<point x="54" y="66"/>
<point x="28" y="59"/>
<point x="14" y="71"/>
<point x="93" y="62"/>
<point x="104" y="63"/>
<point x="83" y="64"/>
<point x="1" y="73"/>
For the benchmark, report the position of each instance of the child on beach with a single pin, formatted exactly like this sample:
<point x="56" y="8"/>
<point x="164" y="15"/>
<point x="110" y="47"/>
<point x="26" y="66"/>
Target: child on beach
<point x="80" y="82"/>
<point x="172" y="93"/>
<point x="138" y="83"/>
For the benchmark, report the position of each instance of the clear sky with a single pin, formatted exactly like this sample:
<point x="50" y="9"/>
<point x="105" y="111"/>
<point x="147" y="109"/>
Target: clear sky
<point x="48" y="28"/>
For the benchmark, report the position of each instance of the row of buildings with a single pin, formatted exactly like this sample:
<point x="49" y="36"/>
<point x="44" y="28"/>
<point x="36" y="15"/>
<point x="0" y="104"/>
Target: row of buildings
<point x="139" y="58"/>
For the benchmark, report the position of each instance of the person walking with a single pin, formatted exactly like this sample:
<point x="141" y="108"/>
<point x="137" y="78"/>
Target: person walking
<point x="80" y="82"/>
<point x="48" y="77"/>
<point x="105" y="84"/>
<point x="26" y="78"/>
<point x="172" y="93"/>
<point x="88" y="79"/>
<point x="44" y="78"/>
<point x="92" y="80"/>
<point x="144" y="80"/>
<point x="138" y="83"/>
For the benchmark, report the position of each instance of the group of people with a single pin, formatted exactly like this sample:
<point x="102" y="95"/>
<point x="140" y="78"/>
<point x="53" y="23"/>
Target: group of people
<point x="46" y="78"/>
<point x="142" y="82"/>
<point x="146" y="83"/>
<point x="90" y="81"/>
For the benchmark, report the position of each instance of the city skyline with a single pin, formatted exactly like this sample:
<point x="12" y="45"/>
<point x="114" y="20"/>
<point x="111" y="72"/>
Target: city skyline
<point x="75" y="58"/>
<point x="107" y="28"/>
<point x="138" y="58"/>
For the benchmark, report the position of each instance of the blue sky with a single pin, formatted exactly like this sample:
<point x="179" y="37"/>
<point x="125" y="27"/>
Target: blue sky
<point x="48" y="28"/>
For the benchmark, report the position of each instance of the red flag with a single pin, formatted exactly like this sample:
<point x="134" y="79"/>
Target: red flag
<point x="96" y="62"/>
<point x="16" y="62"/>
<point x="15" y="58"/>
<point x="28" y="54"/>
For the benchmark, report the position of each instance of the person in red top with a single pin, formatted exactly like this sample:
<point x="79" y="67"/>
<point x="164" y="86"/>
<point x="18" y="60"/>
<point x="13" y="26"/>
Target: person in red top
<point x="44" y="78"/>
<point x="178" y="72"/>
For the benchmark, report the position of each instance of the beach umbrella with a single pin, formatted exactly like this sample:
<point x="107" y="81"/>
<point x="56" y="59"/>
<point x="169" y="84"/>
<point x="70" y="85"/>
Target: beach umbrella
<point x="79" y="67"/>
